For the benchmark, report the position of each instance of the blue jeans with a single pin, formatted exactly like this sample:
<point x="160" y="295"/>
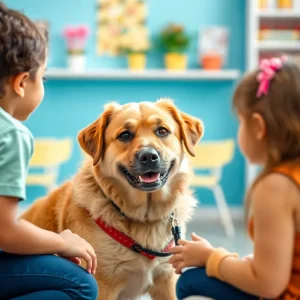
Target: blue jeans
<point x="194" y="282"/>
<point x="44" y="277"/>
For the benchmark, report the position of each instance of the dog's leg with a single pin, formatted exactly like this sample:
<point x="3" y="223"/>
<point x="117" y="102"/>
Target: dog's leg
<point x="108" y="290"/>
<point x="108" y="293"/>
<point x="163" y="287"/>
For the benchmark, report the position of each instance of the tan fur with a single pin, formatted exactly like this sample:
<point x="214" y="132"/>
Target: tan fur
<point x="122" y="273"/>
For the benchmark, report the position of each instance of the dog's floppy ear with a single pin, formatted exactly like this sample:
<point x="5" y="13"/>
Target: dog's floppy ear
<point x="191" y="128"/>
<point x="92" y="138"/>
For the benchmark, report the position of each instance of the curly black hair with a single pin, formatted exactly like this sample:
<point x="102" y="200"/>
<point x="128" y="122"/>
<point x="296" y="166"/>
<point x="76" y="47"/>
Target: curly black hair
<point x="23" y="46"/>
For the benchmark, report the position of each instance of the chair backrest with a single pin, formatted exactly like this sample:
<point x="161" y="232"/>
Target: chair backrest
<point x="50" y="152"/>
<point x="212" y="154"/>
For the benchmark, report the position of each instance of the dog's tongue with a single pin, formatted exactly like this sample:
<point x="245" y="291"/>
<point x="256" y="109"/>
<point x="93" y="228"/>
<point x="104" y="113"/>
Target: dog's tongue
<point x="149" y="178"/>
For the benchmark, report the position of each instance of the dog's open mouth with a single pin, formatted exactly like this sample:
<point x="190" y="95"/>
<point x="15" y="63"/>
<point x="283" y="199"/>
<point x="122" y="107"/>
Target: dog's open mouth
<point x="148" y="181"/>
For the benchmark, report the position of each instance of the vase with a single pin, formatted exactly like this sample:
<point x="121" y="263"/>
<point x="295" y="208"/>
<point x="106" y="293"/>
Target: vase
<point x="136" y="61"/>
<point x="212" y="61"/>
<point x="76" y="62"/>
<point x="175" y="61"/>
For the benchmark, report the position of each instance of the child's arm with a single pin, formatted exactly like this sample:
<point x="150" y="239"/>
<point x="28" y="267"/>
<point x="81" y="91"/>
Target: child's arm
<point x="22" y="237"/>
<point x="267" y="275"/>
<point x="273" y="212"/>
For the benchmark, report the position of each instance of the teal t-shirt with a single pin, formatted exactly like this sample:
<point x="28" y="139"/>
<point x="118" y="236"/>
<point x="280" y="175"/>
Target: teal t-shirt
<point x="16" y="148"/>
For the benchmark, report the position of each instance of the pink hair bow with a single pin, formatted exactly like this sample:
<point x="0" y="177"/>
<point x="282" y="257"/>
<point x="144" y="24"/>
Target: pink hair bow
<point x="268" y="69"/>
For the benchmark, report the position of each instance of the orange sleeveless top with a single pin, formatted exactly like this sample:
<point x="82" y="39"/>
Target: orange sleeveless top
<point x="292" y="291"/>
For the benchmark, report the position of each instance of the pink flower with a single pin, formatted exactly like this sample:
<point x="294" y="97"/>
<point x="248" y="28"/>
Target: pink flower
<point x="69" y="32"/>
<point x="76" y="36"/>
<point x="82" y="31"/>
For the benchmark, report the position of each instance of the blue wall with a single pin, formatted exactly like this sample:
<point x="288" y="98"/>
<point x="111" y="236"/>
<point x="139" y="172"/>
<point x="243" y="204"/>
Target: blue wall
<point x="70" y="105"/>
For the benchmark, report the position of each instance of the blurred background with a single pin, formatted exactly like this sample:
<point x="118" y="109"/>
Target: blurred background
<point x="134" y="50"/>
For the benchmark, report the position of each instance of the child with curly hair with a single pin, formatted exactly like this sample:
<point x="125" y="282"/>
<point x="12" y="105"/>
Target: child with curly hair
<point x="28" y="268"/>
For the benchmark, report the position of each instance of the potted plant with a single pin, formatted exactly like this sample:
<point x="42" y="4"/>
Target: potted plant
<point x="176" y="41"/>
<point x="76" y="37"/>
<point x="135" y="44"/>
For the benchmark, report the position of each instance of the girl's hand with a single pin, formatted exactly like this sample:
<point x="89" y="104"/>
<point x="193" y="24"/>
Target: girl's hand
<point x="193" y="253"/>
<point x="76" y="248"/>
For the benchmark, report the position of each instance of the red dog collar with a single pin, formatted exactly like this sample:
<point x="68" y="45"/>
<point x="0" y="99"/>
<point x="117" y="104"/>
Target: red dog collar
<point x="128" y="242"/>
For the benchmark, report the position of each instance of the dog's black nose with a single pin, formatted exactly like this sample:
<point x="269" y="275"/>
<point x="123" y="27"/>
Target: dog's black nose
<point x="148" y="157"/>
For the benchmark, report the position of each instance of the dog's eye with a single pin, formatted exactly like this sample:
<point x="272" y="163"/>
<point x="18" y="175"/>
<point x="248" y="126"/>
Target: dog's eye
<point x="162" y="132"/>
<point x="125" y="136"/>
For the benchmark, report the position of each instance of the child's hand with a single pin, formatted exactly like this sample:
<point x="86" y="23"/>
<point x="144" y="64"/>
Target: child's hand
<point x="193" y="253"/>
<point x="77" y="247"/>
<point x="75" y="260"/>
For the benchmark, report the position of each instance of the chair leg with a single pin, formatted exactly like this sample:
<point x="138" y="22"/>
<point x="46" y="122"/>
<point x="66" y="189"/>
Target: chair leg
<point x="224" y="211"/>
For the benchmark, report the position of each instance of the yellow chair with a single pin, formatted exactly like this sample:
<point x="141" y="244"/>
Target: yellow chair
<point x="213" y="156"/>
<point x="48" y="155"/>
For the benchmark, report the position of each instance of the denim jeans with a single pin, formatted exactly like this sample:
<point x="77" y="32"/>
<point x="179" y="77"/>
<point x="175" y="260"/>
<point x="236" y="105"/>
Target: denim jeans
<point x="44" y="277"/>
<point x="195" y="282"/>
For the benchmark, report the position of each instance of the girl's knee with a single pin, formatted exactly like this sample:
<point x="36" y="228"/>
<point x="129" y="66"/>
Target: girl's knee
<point x="191" y="283"/>
<point x="182" y="289"/>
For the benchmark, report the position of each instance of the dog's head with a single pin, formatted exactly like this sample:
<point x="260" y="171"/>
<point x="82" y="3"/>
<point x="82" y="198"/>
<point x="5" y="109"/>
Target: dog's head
<point x="141" y="144"/>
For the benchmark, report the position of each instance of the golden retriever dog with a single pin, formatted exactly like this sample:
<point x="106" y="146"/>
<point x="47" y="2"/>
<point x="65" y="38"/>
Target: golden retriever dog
<point x="134" y="185"/>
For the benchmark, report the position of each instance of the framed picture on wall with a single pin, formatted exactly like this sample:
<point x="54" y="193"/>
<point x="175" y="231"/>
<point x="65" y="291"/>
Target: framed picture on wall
<point x="120" y="22"/>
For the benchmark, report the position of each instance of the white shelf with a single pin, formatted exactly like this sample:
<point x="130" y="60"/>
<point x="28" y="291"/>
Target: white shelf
<point x="278" y="45"/>
<point x="278" y="14"/>
<point x="150" y="74"/>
